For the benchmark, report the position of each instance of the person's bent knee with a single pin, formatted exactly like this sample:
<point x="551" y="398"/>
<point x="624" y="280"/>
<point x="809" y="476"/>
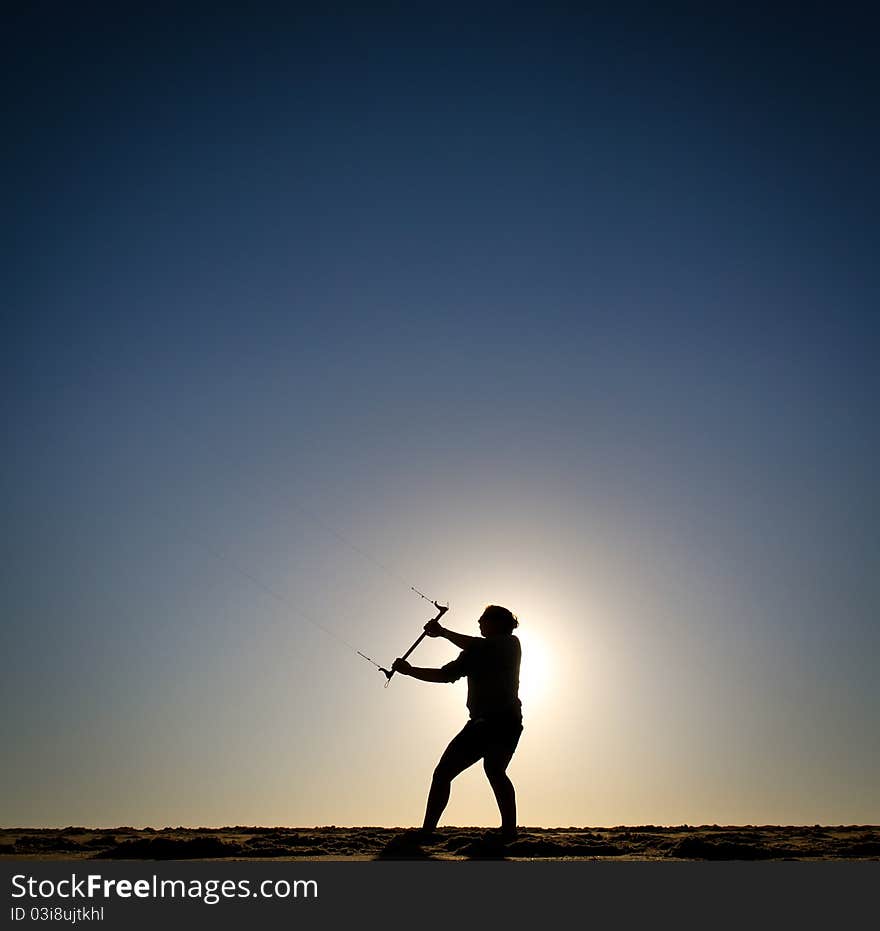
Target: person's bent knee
<point x="495" y="772"/>
<point x="443" y="774"/>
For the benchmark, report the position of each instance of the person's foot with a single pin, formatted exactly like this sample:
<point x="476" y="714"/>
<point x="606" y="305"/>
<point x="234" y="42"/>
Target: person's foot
<point x="425" y="836"/>
<point x="502" y="835"/>
<point x="421" y="836"/>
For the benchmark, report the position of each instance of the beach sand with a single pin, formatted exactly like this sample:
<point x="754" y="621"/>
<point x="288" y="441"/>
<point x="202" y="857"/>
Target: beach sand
<point x="646" y="842"/>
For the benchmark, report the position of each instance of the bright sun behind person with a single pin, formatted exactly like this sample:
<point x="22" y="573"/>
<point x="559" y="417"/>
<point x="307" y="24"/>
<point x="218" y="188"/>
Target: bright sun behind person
<point x="535" y="672"/>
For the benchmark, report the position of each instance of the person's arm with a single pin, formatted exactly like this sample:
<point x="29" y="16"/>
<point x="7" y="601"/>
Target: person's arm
<point x="419" y="672"/>
<point x="462" y="641"/>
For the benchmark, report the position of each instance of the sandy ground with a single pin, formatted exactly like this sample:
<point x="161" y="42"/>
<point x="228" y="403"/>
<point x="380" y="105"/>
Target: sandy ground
<point x="648" y="842"/>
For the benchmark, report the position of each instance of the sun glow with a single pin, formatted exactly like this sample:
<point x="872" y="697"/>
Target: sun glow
<point x="535" y="672"/>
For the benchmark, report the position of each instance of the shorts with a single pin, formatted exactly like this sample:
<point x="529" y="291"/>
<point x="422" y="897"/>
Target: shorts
<point x="495" y="736"/>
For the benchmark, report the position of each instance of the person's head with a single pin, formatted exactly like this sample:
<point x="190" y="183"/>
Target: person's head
<point x="497" y="620"/>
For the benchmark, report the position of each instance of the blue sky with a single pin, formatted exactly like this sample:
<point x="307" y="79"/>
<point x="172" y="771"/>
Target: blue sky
<point x="569" y="311"/>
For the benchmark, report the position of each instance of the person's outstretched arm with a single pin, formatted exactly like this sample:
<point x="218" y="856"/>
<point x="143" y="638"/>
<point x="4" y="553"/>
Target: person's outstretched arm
<point x="462" y="641"/>
<point x="419" y="672"/>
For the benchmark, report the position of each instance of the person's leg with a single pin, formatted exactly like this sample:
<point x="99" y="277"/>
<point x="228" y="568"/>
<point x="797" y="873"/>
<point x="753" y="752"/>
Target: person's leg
<point x="463" y="751"/>
<point x="495" y="762"/>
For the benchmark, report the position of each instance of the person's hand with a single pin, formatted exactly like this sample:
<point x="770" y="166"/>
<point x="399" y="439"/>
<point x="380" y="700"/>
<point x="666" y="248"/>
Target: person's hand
<point x="433" y="628"/>
<point x="401" y="666"/>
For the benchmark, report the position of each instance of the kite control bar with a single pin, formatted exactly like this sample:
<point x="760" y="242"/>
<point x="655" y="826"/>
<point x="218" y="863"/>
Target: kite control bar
<point x="441" y="610"/>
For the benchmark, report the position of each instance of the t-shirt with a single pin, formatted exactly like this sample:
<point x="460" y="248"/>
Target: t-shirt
<point x="491" y="665"/>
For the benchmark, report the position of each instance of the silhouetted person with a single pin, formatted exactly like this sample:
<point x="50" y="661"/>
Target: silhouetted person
<point x="491" y="664"/>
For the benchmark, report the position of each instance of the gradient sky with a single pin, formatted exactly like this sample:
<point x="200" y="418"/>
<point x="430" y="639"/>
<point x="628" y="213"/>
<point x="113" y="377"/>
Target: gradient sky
<point x="576" y="313"/>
